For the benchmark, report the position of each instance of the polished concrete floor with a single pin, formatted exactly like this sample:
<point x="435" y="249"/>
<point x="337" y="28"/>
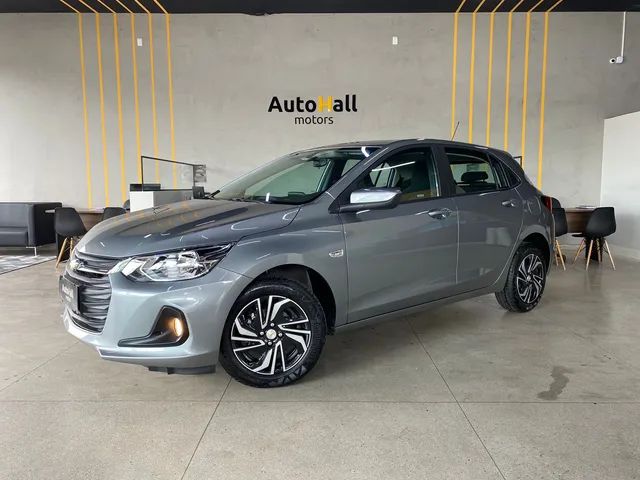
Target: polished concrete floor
<point x="466" y="391"/>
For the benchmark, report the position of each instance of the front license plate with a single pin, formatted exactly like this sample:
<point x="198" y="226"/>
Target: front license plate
<point x="69" y="294"/>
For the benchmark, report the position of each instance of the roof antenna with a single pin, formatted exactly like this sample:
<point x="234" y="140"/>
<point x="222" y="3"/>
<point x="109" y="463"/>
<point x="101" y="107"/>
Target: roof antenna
<point x="455" y="130"/>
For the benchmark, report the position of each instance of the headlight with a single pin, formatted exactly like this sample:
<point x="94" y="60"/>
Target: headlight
<point x="172" y="266"/>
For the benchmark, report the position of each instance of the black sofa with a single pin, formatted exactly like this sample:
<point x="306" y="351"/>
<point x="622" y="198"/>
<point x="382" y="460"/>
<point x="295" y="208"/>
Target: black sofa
<point x="27" y="224"/>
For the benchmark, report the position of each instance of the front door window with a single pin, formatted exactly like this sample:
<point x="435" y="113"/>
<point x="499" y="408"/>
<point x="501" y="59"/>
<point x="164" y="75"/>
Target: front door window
<point x="411" y="171"/>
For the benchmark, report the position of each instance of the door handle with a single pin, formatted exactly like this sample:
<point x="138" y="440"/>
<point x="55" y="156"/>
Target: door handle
<point x="509" y="203"/>
<point x="439" y="213"/>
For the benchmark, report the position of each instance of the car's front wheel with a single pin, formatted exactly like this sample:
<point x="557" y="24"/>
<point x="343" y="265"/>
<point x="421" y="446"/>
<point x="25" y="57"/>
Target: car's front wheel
<point x="274" y="334"/>
<point x="525" y="280"/>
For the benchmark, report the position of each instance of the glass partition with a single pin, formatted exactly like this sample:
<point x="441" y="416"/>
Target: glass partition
<point x="163" y="174"/>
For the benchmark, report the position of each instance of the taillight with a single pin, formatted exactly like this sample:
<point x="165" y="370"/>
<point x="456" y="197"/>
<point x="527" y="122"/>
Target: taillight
<point x="547" y="202"/>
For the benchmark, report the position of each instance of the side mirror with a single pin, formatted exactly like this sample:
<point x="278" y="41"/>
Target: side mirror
<point x="371" y="198"/>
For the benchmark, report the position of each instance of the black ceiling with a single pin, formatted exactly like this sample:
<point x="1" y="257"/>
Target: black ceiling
<point x="266" y="7"/>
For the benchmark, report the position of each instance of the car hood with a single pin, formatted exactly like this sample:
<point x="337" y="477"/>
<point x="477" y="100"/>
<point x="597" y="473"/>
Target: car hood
<point x="194" y="223"/>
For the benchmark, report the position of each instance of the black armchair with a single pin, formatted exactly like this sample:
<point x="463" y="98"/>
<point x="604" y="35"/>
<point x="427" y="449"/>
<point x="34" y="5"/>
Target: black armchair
<point x="27" y="224"/>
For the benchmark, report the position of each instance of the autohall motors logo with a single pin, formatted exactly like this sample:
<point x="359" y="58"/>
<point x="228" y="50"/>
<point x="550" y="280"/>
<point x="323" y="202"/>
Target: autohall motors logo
<point x="318" y="111"/>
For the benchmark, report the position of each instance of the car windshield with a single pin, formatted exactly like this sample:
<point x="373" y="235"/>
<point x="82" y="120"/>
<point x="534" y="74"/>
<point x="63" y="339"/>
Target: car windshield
<point x="296" y="178"/>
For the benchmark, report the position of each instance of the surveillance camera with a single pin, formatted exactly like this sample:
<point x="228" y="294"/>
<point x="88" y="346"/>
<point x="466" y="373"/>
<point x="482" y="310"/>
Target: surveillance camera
<point x="616" y="60"/>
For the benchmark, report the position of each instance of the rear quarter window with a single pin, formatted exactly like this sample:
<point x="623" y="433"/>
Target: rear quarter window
<point x="508" y="178"/>
<point x="511" y="178"/>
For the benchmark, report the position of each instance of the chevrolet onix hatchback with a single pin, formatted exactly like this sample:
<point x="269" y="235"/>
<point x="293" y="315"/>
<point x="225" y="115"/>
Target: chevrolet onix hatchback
<point x="256" y="276"/>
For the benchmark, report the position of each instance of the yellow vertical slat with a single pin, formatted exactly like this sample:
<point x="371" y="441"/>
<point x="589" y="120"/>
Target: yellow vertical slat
<point x="85" y="117"/>
<point x="154" y="112"/>
<point x="490" y="72"/>
<point x="543" y="92"/>
<point x="525" y="82"/>
<point x="123" y="174"/>
<point x="103" y="128"/>
<point x="136" y="101"/>
<point x="507" y="75"/>
<point x="116" y="49"/>
<point x="152" y="73"/>
<point x="170" y="85"/>
<point x="472" y="67"/>
<point x="171" y="116"/>
<point x="454" y="67"/>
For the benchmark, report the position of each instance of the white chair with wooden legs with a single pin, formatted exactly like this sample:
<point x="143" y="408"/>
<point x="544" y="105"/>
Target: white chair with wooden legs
<point x="559" y="256"/>
<point x="71" y="246"/>
<point x="580" y="248"/>
<point x="61" y="252"/>
<point x="606" y="249"/>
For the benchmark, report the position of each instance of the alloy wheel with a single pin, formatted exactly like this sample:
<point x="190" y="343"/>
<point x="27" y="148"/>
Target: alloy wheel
<point x="529" y="279"/>
<point x="270" y="335"/>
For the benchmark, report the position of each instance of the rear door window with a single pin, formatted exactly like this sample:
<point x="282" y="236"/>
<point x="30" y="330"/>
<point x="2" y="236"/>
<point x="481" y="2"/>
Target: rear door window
<point x="472" y="171"/>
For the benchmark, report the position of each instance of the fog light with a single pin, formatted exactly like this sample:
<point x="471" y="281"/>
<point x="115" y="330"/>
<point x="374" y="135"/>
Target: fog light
<point x="170" y="330"/>
<point x="178" y="326"/>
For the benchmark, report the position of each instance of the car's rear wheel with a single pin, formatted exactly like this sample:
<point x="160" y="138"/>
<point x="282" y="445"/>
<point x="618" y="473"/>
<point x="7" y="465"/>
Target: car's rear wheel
<point x="526" y="280"/>
<point x="274" y="334"/>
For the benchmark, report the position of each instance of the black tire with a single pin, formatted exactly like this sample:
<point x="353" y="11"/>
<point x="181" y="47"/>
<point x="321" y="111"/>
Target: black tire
<point x="301" y="349"/>
<point x="524" y="288"/>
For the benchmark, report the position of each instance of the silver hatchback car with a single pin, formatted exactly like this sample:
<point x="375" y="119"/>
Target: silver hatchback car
<point x="258" y="274"/>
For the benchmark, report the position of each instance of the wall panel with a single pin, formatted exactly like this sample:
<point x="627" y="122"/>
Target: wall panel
<point x="227" y="67"/>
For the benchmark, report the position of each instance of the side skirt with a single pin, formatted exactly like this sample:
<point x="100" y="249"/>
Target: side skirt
<point x="415" y="309"/>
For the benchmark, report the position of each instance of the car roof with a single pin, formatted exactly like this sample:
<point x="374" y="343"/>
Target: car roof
<point x="405" y="141"/>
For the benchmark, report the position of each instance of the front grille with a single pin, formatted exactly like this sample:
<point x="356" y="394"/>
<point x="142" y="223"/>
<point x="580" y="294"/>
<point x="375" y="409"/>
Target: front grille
<point x="94" y="289"/>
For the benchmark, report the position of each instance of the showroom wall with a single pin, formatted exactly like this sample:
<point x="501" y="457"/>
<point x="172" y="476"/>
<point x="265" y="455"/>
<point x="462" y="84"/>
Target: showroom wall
<point x="620" y="180"/>
<point x="227" y="68"/>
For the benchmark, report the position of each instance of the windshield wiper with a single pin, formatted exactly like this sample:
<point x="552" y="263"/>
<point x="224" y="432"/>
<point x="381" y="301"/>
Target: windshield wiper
<point x="264" y="199"/>
<point x="282" y="202"/>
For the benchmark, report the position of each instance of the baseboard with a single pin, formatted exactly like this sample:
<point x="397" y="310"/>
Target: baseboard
<point x="625" y="252"/>
<point x="617" y="250"/>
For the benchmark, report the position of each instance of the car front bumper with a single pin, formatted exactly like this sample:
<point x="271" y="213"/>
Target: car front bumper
<point x="134" y="308"/>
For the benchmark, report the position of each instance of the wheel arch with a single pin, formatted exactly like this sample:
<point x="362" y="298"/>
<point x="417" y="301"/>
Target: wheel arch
<point x="313" y="280"/>
<point x="534" y="235"/>
<point x="538" y="240"/>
